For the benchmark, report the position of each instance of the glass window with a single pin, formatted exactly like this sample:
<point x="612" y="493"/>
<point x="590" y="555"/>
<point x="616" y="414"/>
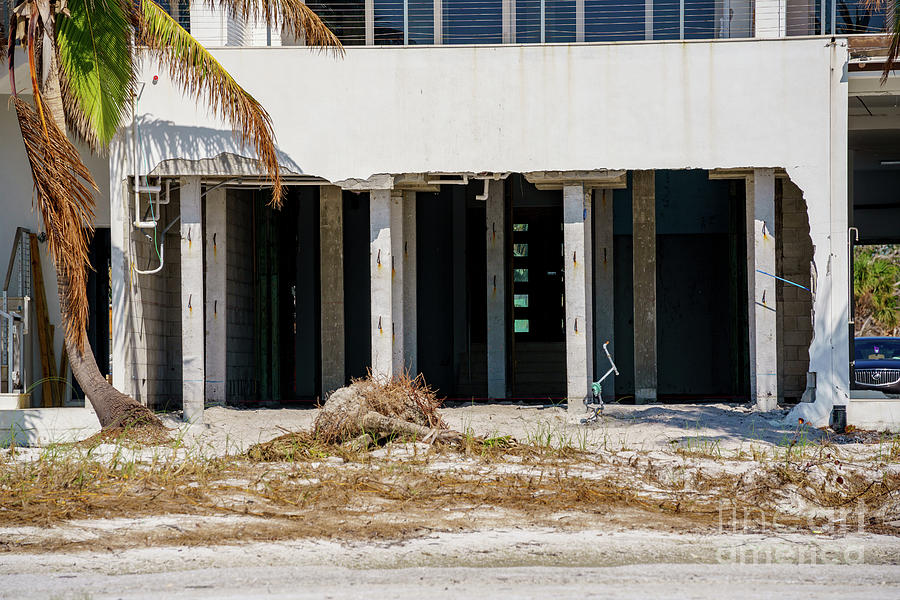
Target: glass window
<point x="389" y="22"/>
<point x="520" y="300"/>
<point x="347" y="19"/>
<point x="520" y="250"/>
<point x="613" y="20"/>
<point x="473" y="21"/>
<point x="528" y="25"/>
<point x="180" y="10"/>
<point x="700" y="19"/>
<point x="559" y="21"/>
<point x="520" y="275"/>
<point x="859" y="16"/>
<point x="520" y="227"/>
<point x="421" y="22"/>
<point x="521" y="325"/>
<point x="667" y="19"/>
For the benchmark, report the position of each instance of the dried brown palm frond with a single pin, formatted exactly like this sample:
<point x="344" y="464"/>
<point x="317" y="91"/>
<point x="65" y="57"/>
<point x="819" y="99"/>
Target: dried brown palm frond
<point x="892" y="25"/>
<point x="292" y="16"/>
<point x="3" y="41"/>
<point x="63" y="190"/>
<point x="200" y="75"/>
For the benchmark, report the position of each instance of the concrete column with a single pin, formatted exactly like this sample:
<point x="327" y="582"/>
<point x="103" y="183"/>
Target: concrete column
<point x="380" y="273"/>
<point x="577" y="274"/>
<point x="495" y="221"/>
<point x="216" y="298"/>
<point x="369" y="7"/>
<point x="193" y="374"/>
<point x="762" y="315"/>
<point x="438" y="14"/>
<point x="508" y="22"/>
<point x="119" y="229"/>
<point x="410" y="334"/>
<point x="397" y="282"/>
<point x="331" y="270"/>
<point x="604" y="287"/>
<point x="589" y="282"/>
<point x="644" y="266"/>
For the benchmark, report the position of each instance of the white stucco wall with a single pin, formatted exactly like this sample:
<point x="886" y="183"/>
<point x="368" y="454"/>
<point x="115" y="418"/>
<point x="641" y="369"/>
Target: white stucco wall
<point x="748" y="103"/>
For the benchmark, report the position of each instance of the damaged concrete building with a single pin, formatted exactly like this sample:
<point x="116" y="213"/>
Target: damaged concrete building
<point x="487" y="192"/>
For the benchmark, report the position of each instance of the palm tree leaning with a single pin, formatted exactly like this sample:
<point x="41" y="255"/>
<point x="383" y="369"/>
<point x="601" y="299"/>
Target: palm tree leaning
<point x="82" y="60"/>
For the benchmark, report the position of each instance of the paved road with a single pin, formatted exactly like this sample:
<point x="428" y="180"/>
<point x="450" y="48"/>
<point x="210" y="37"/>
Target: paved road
<point x="634" y="581"/>
<point x="507" y="564"/>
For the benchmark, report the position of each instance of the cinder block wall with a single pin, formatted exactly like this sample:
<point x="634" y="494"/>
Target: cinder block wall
<point x="156" y="322"/>
<point x="239" y="357"/>
<point x="793" y="260"/>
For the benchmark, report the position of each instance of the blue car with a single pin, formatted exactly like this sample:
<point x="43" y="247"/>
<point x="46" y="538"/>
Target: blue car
<point x="877" y="364"/>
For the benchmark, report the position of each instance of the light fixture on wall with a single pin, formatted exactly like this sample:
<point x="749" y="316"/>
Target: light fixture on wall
<point x="890" y="163"/>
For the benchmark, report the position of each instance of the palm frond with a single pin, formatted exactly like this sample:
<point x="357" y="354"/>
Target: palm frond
<point x="894" y="48"/>
<point x="292" y="16"/>
<point x="96" y="67"/>
<point x="200" y="75"/>
<point x="63" y="189"/>
<point x="3" y="35"/>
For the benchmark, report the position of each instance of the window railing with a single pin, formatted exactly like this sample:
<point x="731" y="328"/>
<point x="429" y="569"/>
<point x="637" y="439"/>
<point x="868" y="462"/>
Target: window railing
<point x="417" y="22"/>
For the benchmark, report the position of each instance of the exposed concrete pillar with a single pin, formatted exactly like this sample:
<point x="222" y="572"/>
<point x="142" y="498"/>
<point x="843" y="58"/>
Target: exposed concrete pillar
<point x="604" y="287"/>
<point x="216" y="299"/>
<point x="576" y="240"/>
<point x="644" y="266"/>
<point x="120" y="280"/>
<point x="762" y="315"/>
<point x="381" y="284"/>
<point x="410" y="333"/>
<point x="193" y="374"/>
<point x="398" y="355"/>
<point x="331" y="269"/>
<point x="495" y="222"/>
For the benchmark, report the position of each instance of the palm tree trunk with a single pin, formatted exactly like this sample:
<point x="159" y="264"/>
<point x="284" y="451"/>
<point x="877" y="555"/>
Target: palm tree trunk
<point x="113" y="408"/>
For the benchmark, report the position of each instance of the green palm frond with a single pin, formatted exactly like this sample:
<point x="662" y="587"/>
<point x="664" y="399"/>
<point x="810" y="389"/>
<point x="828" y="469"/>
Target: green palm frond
<point x="200" y="75"/>
<point x="292" y="16"/>
<point x="96" y="67"/>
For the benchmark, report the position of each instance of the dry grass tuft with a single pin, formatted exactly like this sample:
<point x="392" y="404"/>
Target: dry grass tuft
<point x="298" y="447"/>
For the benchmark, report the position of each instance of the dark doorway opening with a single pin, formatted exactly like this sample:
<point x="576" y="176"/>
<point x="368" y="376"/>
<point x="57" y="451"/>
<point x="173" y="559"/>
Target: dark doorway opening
<point x="99" y="307"/>
<point x="286" y="297"/>
<point x="536" y="300"/>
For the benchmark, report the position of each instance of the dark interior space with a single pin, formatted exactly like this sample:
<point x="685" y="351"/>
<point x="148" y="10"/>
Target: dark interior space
<point x="702" y="342"/>
<point x="286" y="297"/>
<point x="98" y="295"/>
<point x="357" y="286"/>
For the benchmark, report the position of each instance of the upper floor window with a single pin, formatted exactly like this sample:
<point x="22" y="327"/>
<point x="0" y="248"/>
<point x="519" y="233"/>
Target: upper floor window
<point x="395" y="22"/>
<point x="180" y="10"/>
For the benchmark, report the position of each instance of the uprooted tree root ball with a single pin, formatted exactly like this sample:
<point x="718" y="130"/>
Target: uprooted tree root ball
<point x="369" y="410"/>
<point x="137" y="425"/>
